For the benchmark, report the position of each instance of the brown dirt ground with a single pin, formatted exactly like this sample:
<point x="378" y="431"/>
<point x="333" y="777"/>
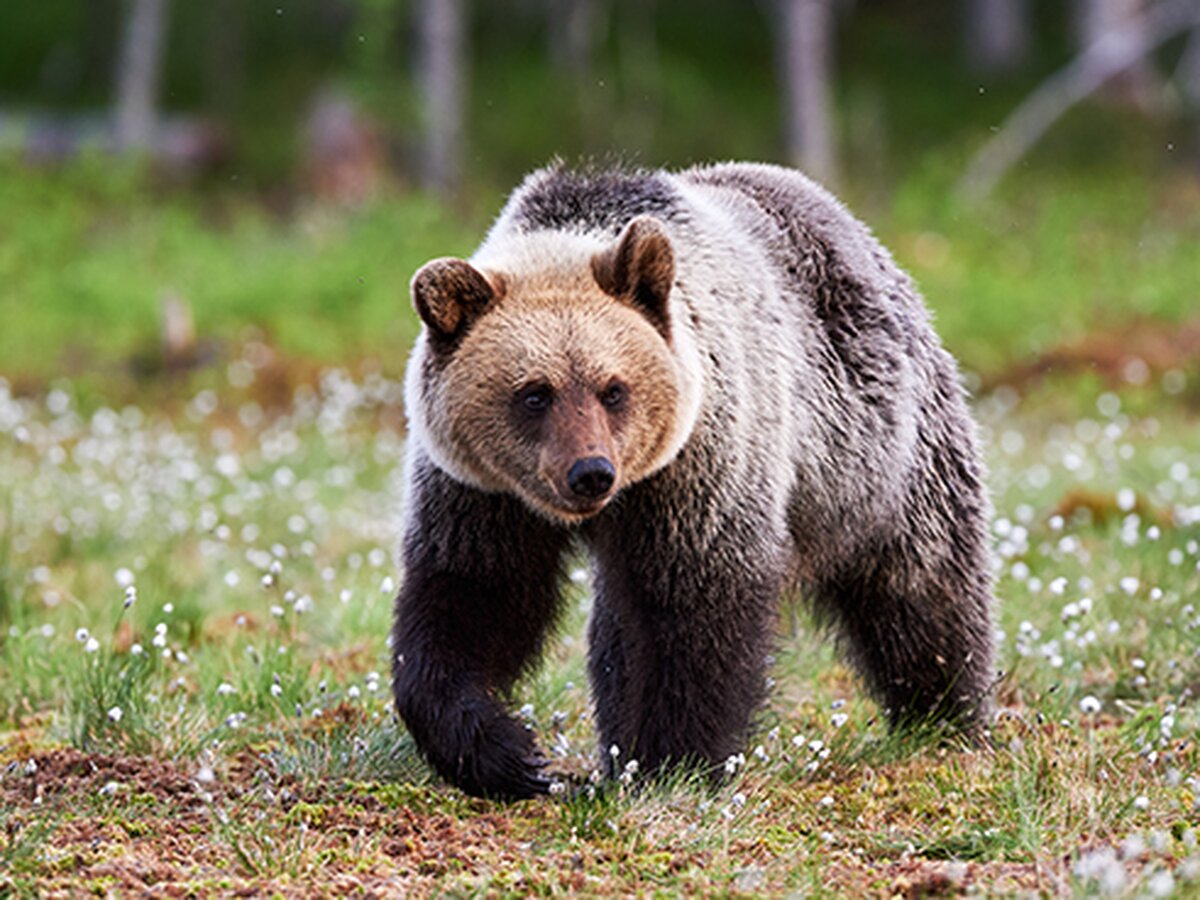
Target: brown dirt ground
<point x="162" y="832"/>
<point x="1108" y="354"/>
<point x="159" y="832"/>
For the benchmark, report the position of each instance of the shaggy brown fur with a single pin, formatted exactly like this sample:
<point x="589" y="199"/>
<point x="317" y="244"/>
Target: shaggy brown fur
<point x="721" y="385"/>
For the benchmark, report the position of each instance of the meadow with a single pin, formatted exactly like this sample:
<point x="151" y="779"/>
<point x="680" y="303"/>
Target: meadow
<point x="196" y="573"/>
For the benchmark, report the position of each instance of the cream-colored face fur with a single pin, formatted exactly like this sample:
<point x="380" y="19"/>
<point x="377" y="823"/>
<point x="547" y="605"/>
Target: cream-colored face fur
<point x="549" y="377"/>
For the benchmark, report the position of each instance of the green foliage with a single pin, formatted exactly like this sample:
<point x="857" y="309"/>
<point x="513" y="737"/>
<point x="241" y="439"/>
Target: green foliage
<point x="87" y="261"/>
<point x="257" y="552"/>
<point x="348" y="751"/>
<point x="252" y="502"/>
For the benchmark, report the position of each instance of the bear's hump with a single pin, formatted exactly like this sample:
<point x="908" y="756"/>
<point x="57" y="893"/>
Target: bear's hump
<point x="601" y="200"/>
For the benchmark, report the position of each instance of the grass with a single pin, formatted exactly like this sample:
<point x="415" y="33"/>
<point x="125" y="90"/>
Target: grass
<point x="232" y="571"/>
<point x="196" y="568"/>
<point x="87" y="258"/>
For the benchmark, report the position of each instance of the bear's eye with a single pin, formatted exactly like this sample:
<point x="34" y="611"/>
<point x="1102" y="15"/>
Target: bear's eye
<point x="613" y="396"/>
<point x="535" y="399"/>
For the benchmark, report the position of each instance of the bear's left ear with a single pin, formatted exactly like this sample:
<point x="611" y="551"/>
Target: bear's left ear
<point x="640" y="269"/>
<point x="449" y="294"/>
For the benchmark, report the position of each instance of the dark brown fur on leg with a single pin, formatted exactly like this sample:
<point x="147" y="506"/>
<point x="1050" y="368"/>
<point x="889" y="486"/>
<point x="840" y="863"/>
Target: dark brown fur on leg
<point x="679" y="638"/>
<point x="480" y="593"/>
<point x="918" y="653"/>
<point x="916" y="617"/>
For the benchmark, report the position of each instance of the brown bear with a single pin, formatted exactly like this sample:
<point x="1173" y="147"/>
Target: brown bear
<point x="719" y="385"/>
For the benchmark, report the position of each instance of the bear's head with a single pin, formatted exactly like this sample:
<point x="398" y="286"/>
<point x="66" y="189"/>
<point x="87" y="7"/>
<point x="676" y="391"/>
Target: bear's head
<point x="554" y="371"/>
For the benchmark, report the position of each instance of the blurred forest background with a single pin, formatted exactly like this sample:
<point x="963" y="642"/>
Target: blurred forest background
<point x="177" y="178"/>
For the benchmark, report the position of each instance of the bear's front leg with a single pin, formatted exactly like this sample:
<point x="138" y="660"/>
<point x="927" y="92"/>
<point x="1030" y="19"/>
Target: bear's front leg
<point x="480" y="591"/>
<point x="678" y="643"/>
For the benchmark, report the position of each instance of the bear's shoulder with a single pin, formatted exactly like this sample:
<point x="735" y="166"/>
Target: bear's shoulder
<point x="591" y="200"/>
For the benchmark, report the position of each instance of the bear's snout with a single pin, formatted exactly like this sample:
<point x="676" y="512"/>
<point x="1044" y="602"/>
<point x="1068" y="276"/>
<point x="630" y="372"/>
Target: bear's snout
<point x="591" y="477"/>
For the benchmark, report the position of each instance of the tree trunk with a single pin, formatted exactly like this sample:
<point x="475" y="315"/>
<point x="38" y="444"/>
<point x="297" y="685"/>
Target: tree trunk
<point x="807" y="70"/>
<point x="440" y="83"/>
<point x="139" y="68"/>
<point x="571" y="32"/>
<point x="1188" y="73"/>
<point x="1119" y="23"/>
<point x="1084" y="75"/>
<point x="997" y="35"/>
<point x="1188" y="77"/>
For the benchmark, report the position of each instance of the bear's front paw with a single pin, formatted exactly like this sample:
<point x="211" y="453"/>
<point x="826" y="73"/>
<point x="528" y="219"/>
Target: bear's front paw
<point x="479" y="748"/>
<point x="505" y="764"/>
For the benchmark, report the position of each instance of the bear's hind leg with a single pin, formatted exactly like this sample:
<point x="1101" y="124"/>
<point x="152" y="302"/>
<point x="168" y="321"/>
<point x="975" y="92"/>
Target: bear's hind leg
<point x="921" y="637"/>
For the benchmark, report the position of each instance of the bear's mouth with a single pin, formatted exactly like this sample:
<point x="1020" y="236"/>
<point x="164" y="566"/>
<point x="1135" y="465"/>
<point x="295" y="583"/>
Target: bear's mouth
<point x="573" y="510"/>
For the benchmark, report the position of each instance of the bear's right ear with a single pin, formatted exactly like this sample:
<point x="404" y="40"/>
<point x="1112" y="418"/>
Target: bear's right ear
<point x="449" y="294"/>
<point x="640" y="269"/>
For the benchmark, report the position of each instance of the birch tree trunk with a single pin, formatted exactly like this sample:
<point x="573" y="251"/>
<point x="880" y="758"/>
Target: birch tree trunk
<point x="1093" y="68"/>
<point x="440" y="61"/>
<point x="1120" y="23"/>
<point x="997" y="34"/>
<point x="1188" y="78"/>
<point x="572" y="29"/>
<point x="807" y="73"/>
<point x="139" y="68"/>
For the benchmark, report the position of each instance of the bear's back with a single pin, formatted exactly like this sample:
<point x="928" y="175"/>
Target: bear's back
<point x="590" y="201"/>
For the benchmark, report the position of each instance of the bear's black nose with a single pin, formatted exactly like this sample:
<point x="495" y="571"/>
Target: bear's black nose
<point x="591" y="477"/>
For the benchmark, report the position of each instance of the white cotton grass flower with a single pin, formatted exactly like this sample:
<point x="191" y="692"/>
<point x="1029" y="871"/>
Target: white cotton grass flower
<point x="115" y="713"/>
<point x="1089" y="705"/>
<point x="1104" y="867"/>
<point x="92" y="645"/>
<point x="628" y="773"/>
<point x="225" y="689"/>
<point x="1160" y="884"/>
<point x="839" y="719"/>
